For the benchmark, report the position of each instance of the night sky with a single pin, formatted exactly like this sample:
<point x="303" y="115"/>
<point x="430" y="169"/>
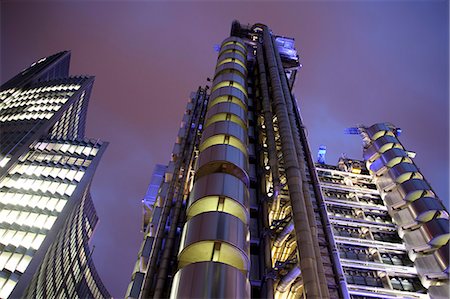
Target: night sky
<point x="363" y="62"/>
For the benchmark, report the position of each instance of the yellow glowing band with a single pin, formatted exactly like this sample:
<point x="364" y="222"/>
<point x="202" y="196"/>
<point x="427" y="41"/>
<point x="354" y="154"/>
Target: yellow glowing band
<point x="440" y="241"/>
<point x="235" y="44"/>
<point x="408" y="176"/>
<point x="398" y="160"/>
<point x="225" y="117"/>
<point x="427" y="216"/>
<point x="382" y="133"/>
<point x="227" y="99"/>
<point x="223" y="139"/>
<point x="231" y="60"/>
<point x="389" y="146"/>
<point x="236" y="51"/>
<point x="228" y="84"/>
<point x="413" y="196"/>
<point x="205" y="251"/>
<point x="214" y="203"/>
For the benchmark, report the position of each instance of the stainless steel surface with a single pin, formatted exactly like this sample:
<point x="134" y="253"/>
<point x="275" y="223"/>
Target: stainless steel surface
<point x="210" y="280"/>
<point x="223" y="158"/>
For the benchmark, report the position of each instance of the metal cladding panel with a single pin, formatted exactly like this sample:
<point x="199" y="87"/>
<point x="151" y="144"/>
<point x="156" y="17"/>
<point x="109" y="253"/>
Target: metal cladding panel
<point x="227" y="128"/>
<point x="229" y="91"/>
<point x="376" y="147"/>
<point x="413" y="185"/>
<point x="216" y="226"/>
<point x="210" y="280"/>
<point x="425" y="205"/>
<point x="439" y="291"/>
<point x="387" y="156"/>
<point x="229" y="77"/>
<point x="227" y="107"/>
<point x="402" y="168"/>
<point x="420" y="210"/>
<point x="434" y="233"/>
<point x="231" y="66"/>
<point x="400" y="194"/>
<point x="371" y="131"/>
<point x="220" y="184"/>
<point x="430" y="263"/>
<point x="435" y="230"/>
<point x="223" y="158"/>
<point x="232" y="47"/>
<point x="236" y="41"/>
<point x="231" y="55"/>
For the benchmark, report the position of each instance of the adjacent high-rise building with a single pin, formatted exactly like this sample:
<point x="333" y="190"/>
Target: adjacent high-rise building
<point x="242" y="210"/>
<point x="46" y="168"/>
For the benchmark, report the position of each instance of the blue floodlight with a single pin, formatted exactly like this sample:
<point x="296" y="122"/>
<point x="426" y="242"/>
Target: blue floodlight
<point x="321" y="154"/>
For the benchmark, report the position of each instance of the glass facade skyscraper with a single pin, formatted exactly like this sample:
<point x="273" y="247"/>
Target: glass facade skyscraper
<point x="46" y="168"/>
<point x="242" y="210"/>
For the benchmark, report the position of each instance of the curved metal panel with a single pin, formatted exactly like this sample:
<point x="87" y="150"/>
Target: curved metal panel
<point x="427" y="264"/>
<point x="402" y="168"/>
<point x="233" y="40"/>
<point x="227" y="107"/>
<point x="229" y="90"/>
<point x="231" y="66"/>
<point x="436" y="231"/>
<point x="223" y="158"/>
<point x="227" y="99"/>
<point x="232" y="55"/>
<point x="371" y="131"/>
<point x="407" y="192"/>
<point x="410" y="186"/>
<point x="421" y="210"/>
<point x="220" y="184"/>
<point x="223" y="139"/>
<point x="236" y="77"/>
<point x="216" y="226"/>
<point x="210" y="280"/>
<point x="227" y="128"/>
<point x="379" y="146"/>
<point x="235" y="47"/>
<point x="218" y="204"/>
<point x="391" y="154"/>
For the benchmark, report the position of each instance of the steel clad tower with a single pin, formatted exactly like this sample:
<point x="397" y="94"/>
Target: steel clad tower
<point x="46" y="167"/>
<point x="240" y="210"/>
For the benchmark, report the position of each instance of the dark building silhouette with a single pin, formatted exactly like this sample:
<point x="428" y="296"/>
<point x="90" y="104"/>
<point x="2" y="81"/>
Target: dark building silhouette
<point x="242" y="211"/>
<point x="46" y="168"/>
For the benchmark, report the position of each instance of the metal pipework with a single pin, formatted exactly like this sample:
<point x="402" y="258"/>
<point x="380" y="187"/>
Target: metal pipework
<point x="284" y="234"/>
<point x="267" y="253"/>
<point x="272" y="155"/>
<point x="301" y="161"/>
<point x="288" y="279"/>
<point x="268" y="117"/>
<point x="303" y="232"/>
<point x="151" y="268"/>
<point x="168" y="248"/>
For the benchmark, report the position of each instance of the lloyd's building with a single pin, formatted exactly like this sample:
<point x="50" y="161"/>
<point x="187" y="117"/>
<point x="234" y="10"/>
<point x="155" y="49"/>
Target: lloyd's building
<point x="242" y="211"/>
<point x="46" y="167"/>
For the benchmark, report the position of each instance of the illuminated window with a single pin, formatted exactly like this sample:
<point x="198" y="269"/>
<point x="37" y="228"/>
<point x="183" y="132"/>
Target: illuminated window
<point x="227" y="99"/>
<point x="225" y="117"/>
<point x="223" y="139"/>
<point x="232" y="60"/>
<point x="230" y="84"/>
